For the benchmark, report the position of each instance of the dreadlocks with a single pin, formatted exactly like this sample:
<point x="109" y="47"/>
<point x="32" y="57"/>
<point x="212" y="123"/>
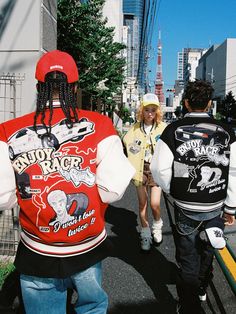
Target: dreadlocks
<point x="198" y="94"/>
<point x="55" y="82"/>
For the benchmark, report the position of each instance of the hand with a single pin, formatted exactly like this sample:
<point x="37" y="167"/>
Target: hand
<point x="229" y="219"/>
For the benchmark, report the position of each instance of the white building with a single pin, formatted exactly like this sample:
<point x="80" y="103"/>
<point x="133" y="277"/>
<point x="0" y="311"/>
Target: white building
<point x="188" y="62"/>
<point x="218" y="65"/>
<point x="193" y="57"/>
<point x="113" y="10"/>
<point x="28" y="28"/>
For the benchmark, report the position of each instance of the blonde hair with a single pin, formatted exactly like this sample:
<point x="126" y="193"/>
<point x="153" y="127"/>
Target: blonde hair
<point x="140" y="116"/>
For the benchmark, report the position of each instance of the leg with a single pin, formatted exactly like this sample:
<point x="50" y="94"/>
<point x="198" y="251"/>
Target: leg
<point x="43" y="295"/>
<point x="92" y="299"/>
<point x="187" y="281"/>
<point x="189" y="265"/>
<point x="143" y="203"/>
<point x="145" y="234"/>
<point x="206" y="269"/>
<point x="207" y="254"/>
<point x="155" y="202"/>
<point x="156" y="211"/>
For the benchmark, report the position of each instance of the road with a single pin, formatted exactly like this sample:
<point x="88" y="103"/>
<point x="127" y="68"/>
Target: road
<point x="145" y="283"/>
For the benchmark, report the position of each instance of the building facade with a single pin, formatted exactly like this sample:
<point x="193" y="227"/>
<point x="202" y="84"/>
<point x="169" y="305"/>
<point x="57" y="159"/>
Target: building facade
<point x="133" y="19"/>
<point x="187" y="63"/>
<point x="28" y="28"/>
<point x="113" y="10"/>
<point x="218" y="65"/>
<point x="137" y="18"/>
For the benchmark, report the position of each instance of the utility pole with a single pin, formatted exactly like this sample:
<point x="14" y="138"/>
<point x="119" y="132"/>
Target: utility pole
<point x="146" y="56"/>
<point x="211" y="74"/>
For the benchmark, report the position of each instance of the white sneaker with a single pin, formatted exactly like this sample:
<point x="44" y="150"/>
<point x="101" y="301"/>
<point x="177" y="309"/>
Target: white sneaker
<point x="202" y="294"/>
<point x="146" y="239"/>
<point x="157" y="231"/>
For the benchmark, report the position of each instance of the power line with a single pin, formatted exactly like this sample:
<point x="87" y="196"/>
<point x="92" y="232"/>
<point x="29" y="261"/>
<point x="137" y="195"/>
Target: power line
<point x="152" y="20"/>
<point x="142" y="45"/>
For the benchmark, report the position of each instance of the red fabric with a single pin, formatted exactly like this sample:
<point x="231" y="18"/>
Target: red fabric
<point x="43" y="170"/>
<point x="57" y="60"/>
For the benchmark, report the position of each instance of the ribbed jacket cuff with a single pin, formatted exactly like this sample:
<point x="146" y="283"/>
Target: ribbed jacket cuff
<point x="230" y="210"/>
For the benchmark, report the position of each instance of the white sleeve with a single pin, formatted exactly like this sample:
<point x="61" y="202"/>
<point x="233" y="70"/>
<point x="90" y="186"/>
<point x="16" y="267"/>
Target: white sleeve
<point x="231" y="191"/>
<point x="114" y="171"/>
<point x="161" y="165"/>
<point x="7" y="178"/>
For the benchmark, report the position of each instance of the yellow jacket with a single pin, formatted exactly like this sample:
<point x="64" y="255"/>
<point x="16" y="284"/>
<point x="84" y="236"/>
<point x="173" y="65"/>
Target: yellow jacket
<point x="135" y="142"/>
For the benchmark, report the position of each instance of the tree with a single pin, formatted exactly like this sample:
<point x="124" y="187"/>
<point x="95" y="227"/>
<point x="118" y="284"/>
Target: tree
<point x="178" y="112"/>
<point x="83" y="33"/>
<point x="228" y="107"/>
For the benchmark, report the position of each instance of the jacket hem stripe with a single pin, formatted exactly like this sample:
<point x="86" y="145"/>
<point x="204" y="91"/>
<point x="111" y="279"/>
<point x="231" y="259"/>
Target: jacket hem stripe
<point x="200" y="207"/>
<point x="58" y="251"/>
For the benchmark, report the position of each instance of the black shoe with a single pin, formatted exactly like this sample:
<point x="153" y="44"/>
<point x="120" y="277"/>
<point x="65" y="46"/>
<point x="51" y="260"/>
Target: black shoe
<point x="179" y="310"/>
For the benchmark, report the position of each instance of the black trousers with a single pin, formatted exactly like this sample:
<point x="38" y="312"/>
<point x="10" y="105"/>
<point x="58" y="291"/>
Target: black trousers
<point x="194" y="257"/>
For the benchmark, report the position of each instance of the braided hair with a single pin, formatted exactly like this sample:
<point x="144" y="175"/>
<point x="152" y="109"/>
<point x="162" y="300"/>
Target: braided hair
<point x="198" y="94"/>
<point x="55" y="82"/>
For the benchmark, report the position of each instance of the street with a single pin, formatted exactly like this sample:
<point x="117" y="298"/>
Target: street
<point x="145" y="283"/>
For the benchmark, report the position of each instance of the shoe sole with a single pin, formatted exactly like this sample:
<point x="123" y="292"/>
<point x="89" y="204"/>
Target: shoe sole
<point x="145" y="251"/>
<point x="156" y="243"/>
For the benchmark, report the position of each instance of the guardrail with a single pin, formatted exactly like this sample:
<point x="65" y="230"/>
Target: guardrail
<point x="9" y="232"/>
<point x="225" y="258"/>
<point x="227" y="261"/>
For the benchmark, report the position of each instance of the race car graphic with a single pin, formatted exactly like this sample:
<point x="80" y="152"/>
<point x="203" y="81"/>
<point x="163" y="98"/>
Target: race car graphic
<point x="63" y="134"/>
<point x="27" y="139"/>
<point x="209" y="134"/>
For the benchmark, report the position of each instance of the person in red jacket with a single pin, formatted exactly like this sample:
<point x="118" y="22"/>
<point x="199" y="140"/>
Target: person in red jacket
<point x="56" y="163"/>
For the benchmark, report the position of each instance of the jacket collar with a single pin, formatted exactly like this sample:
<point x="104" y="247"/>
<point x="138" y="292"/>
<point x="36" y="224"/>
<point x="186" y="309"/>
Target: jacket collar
<point x="197" y="114"/>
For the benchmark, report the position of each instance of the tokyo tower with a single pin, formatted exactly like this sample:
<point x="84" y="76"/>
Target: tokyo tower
<point x="159" y="81"/>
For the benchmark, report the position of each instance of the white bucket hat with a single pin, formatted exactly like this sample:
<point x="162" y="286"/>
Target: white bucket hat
<point x="150" y="99"/>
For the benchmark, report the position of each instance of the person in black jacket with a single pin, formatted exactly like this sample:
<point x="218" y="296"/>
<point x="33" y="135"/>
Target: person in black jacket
<point x="195" y="161"/>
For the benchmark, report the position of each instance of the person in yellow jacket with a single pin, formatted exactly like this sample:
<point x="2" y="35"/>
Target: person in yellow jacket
<point x="140" y="142"/>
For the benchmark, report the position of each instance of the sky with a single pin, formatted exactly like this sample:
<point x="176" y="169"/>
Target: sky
<point x="189" y="24"/>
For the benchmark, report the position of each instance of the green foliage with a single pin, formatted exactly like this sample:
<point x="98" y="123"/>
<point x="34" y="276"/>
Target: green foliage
<point x="227" y="108"/>
<point x="6" y="268"/>
<point x="82" y="32"/>
<point x="178" y="111"/>
<point x="218" y="116"/>
<point x="125" y="115"/>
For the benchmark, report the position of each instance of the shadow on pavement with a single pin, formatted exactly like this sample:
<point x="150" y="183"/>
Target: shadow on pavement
<point x="10" y="295"/>
<point x="144" y="307"/>
<point x="155" y="269"/>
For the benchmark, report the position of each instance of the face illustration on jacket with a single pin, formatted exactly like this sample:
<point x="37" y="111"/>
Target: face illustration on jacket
<point x="209" y="175"/>
<point x="58" y="201"/>
<point x="135" y="146"/>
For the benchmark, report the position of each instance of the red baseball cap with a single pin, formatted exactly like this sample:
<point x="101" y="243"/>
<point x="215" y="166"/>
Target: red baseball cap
<point x="57" y="60"/>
